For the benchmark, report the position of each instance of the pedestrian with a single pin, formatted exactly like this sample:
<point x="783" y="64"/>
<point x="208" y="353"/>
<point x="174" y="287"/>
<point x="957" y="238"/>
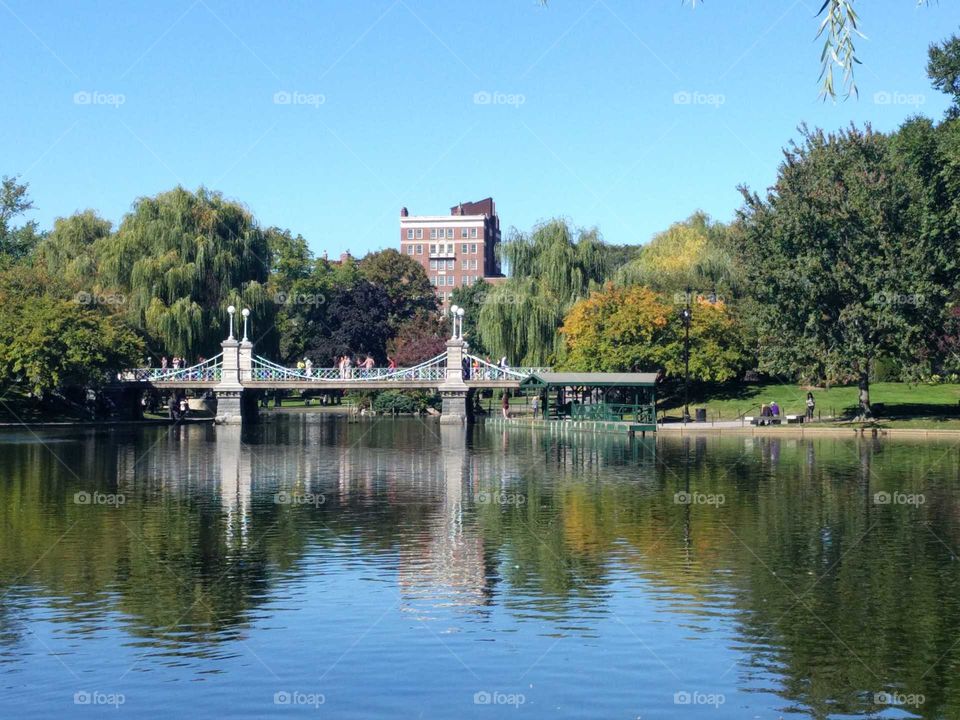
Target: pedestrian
<point x="347" y="367"/>
<point x="184" y="406"/>
<point x="391" y="363"/>
<point x="811" y="404"/>
<point x="163" y="363"/>
<point x="368" y="364"/>
<point x="465" y="366"/>
<point x="505" y="405"/>
<point x="535" y="404"/>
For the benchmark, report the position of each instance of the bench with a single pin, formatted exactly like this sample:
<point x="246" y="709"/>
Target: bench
<point x="794" y="419"/>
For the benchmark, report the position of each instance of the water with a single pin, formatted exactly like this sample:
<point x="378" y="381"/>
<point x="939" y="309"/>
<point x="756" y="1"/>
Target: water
<point x="314" y="567"/>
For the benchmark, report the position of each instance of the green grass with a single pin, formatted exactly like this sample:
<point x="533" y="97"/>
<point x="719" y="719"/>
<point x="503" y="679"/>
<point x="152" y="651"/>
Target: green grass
<point x="898" y="402"/>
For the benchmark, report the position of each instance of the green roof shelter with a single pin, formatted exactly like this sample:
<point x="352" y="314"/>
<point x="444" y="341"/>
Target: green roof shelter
<point x="606" y="397"/>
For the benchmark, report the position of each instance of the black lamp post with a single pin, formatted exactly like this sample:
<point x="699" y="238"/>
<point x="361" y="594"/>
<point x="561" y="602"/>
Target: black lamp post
<point x="685" y="316"/>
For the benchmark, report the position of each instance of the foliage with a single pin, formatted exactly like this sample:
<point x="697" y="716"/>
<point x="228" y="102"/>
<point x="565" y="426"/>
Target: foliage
<point x="47" y="343"/>
<point x="840" y="260"/>
<point x="15" y="242"/>
<point x="417" y="340"/>
<point x="405" y="282"/>
<point x="180" y="258"/>
<point x="693" y="254"/>
<point x="472" y="298"/>
<point x="403" y="402"/>
<point x="943" y="69"/>
<point x="551" y="268"/>
<point x="69" y="251"/>
<point x="633" y="329"/>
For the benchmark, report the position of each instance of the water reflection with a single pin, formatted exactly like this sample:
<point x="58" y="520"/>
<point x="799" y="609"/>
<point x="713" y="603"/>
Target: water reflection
<point x="766" y="569"/>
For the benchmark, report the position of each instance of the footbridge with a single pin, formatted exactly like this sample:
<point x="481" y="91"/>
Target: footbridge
<point x="237" y="372"/>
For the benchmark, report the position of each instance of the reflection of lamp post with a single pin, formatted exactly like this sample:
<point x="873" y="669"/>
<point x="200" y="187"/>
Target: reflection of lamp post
<point x="453" y="315"/>
<point x="685" y="317"/>
<point x="231" y="310"/>
<point x="246" y="316"/>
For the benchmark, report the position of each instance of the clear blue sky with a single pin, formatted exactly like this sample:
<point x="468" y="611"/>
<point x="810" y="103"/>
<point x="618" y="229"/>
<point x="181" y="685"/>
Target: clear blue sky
<point x="598" y="138"/>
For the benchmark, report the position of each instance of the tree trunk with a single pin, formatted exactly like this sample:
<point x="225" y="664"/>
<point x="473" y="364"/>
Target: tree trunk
<point x="865" y="409"/>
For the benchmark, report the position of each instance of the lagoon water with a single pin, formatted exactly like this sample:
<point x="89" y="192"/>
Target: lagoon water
<point x="313" y="567"/>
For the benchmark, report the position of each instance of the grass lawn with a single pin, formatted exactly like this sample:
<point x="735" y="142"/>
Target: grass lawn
<point x="898" y="404"/>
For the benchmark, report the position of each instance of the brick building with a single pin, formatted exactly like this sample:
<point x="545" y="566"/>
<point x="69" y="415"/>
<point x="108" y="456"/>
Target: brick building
<point x="456" y="249"/>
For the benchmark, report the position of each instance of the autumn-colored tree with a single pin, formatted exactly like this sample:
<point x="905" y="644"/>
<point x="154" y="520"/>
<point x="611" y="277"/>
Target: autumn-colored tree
<point x="633" y="329"/>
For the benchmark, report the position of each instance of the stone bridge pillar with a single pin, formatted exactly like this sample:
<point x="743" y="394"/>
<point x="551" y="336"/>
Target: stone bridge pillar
<point x="453" y="390"/>
<point x="229" y="391"/>
<point x="232" y="405"/>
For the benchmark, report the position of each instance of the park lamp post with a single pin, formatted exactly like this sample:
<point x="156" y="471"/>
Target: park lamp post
<point x="685" y="317"/>
<point x="460" y="313"/>
<point x="246" y="316"/>
<point x="230" y="311"/>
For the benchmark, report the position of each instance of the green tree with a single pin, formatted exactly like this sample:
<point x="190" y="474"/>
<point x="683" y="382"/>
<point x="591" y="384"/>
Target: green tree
<point x="16" y="242"/>
<point x="181" y="258"/>
<point x="69" y="251"/>
<point x="405" y="282"/>
<point x="943" y="69"/>
<point x="472" y="298"/>
<point x="47" y="343"/>
<point x="842" y="262"/>
<point x="551" y="268"/>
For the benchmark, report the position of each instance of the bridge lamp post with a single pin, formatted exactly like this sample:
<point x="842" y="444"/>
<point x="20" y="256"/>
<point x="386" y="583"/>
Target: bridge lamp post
<point x="230" y="311"/>
<point x="453" y="315"/>
<point x="460" y="312"/>
<point x="246" y="316"/>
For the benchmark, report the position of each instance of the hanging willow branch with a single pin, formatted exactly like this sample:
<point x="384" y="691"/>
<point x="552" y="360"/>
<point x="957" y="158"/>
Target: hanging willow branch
<point x="838" y="28"/>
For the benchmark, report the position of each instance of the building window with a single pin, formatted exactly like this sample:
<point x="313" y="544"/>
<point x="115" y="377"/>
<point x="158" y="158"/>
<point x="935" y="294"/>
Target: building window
<point x="473" y="264"/>
<point x="419" y="233"/>
<point x="473" y="233"/>
<point x="451" y="264"/>
<point x="463" y="232"/>
<point x="409" y="233"/>
<point x="450" y="233"/>
<point x="433" y="233"/>
<point x="433" y="264"/>
<point x="409" y="249"/>
<point x="473" y="248"/>
<point x="464" y="248"/>
<point x="419" y="249"/>
<point x="433" y="249"/>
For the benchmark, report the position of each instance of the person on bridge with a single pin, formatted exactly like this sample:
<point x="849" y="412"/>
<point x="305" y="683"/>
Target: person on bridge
<point x="368" y="364"/>
<point x="391" y="364"/>
<point x="308" y="366"/>
<point x="163" y="363"/>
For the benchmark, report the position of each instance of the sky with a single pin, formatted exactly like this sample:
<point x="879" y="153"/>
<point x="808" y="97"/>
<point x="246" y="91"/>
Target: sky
<point x="327" y="116"/>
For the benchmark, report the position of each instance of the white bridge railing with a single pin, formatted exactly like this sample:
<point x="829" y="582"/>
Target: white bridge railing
<point x="432" y="370"/>
<point x="207" y="371"/>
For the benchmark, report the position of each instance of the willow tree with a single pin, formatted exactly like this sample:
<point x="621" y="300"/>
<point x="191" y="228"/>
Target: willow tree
<point x="692" y="254"/>
<point x="179" y="259"/>
<point x="69" y="251"/>
<point x="551" y="268"/>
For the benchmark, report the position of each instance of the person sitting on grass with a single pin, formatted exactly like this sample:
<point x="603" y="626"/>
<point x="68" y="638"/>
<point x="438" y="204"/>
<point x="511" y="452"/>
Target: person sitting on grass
<point x="774" y="409"/>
